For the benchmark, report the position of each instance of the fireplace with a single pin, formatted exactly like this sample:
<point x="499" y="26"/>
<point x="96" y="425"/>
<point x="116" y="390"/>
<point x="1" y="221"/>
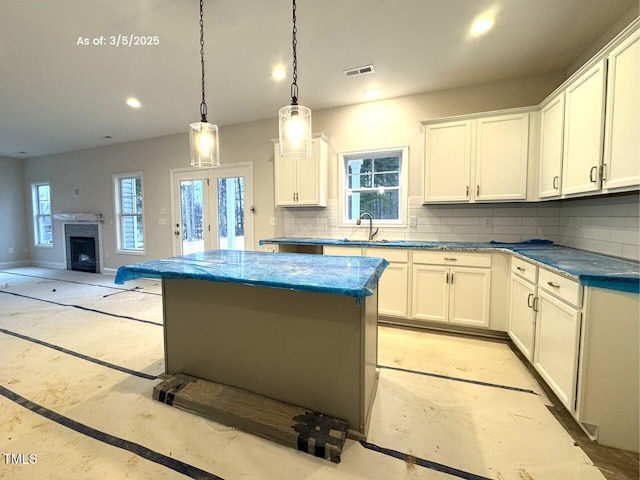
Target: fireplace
<point x="83" y="254"/>
<point x="82" y="246"/>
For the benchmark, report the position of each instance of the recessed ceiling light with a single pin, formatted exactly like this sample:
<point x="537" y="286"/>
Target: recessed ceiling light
<point x="133" y="102"/>
<point x="278" y="73"/>
<point x="482" y="25"/>
<point x="371" y="93"/>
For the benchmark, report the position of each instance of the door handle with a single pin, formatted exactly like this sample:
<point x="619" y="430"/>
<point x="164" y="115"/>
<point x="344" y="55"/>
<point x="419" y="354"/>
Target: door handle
<point x="177" y="232"/>
<point x="593" y="169"/>
<point x="529" y="300"/>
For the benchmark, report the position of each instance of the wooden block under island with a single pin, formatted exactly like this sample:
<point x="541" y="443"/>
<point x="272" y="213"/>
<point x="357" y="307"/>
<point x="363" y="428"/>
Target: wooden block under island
<point x="296" y="427"/>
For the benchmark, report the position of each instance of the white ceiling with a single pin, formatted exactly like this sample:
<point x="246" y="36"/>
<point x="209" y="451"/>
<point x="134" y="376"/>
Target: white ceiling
<point x="57" y="96"/>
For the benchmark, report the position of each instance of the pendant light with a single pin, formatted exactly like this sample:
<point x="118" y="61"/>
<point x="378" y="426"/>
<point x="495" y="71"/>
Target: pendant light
<point x="294" y="119"/>
<point x="203" y="136"/>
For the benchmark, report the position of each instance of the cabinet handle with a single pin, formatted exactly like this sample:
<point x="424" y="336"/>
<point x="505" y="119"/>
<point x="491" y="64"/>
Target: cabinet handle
<point x="555" y="182"/>
<point x="447" y="278"/>
<point x="593" y="169"/>
<point x="603" y="175"/>
<point x="520" y="268"/>
<point x="451" y="278"/>
<point x="529" y="300"/>
<point x="451" y="259"/>
<point x="467" y="191"/>
<point x="477" y="190"/>
<point x="551" y="284"/>
<point x="535" y="304"/>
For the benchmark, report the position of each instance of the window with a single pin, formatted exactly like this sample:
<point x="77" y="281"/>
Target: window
<point x="374" y="182"/>
<point x="42" y="228"/>
<point x="129" y="224"/>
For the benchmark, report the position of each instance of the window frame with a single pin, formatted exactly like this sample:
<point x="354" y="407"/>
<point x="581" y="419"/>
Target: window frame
<point x="402" y="152"/>
<point x="37" y="215"/>
<point x="118" y="215"/>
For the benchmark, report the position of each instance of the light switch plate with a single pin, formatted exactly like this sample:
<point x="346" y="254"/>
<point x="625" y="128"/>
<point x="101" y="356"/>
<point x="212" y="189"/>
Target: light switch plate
<point x="413" y="221"/>
<point x="162" y="221"/>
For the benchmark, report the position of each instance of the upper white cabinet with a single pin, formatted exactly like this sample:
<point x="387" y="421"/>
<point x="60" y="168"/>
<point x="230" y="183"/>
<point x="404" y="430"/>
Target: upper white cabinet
<point x="447" y="161"/>
<point x="302" y="182"/>
<point x="502" y="145"/>
<point x="483" y="159"/>
<point x="584" y="131"/>
<point x="621" y="144"/>
<point x="551" y="136"/>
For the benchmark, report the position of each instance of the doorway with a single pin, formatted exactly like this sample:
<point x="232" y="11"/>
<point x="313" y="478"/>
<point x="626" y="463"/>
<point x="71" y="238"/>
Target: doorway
<point x="212" y="209"/>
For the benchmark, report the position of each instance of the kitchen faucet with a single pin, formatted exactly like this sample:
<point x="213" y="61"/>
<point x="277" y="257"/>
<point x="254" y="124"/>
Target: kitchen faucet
<point x="371" y="232"/>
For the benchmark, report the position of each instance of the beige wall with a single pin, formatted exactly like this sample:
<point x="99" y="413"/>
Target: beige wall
<point x="13" y="214"/>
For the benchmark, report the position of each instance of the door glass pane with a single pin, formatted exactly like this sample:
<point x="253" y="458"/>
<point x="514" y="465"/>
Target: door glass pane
<point x="192" y="212"/>
<point x="231" y="213"/>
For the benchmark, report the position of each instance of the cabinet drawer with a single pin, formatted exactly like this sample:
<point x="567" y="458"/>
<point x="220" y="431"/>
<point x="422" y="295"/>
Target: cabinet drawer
<point x="452" y="258"/>
<point x="342" y="251"/>
<point x="524" y="269"/>
<point x="389" y="254"/>
<point x="568" y="290"/>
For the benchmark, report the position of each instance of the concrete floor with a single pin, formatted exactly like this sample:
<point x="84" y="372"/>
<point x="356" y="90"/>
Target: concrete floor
<point x="79" y="357"/>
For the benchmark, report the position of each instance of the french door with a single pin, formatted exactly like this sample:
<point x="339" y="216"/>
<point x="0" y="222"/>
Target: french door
<point x="212" y="209"/>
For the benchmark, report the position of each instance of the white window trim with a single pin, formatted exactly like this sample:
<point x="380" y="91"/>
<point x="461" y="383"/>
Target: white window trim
<point x="36" y="213"/>
<point x="116" y="210"/>
<point x="403" y="152"/>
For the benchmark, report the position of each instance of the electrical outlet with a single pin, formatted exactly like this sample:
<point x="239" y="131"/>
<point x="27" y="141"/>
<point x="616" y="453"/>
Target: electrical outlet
<point x="486" y="221"/>
<point x="162" y="221"/>
<point x="333" y="222"/>
<point x="273" y="221"/>
<point x="10" y="250"/>
<point x="413" y="221"/>
<point x="25" y="249"/>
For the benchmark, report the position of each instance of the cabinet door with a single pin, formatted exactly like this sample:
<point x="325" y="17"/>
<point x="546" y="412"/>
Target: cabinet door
<point x="622" y="139"/>
<point x="551" y="132"/>
<point x="392" y="290"/>
<point x="522" y="317"/>
<point x="308" y="177"/>
<point x="430" y="293"/>
<point x="557" y="347"/>
<point x="501" y="153"/>
<point x="583" y="131"/>
<point x="469" y="296"/>
<point x="447" y="162"/>
<point x="284" y="178"/>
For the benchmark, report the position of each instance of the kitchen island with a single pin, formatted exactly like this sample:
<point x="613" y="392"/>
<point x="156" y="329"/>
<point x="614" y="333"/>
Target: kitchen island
<point x="300" y="329"/>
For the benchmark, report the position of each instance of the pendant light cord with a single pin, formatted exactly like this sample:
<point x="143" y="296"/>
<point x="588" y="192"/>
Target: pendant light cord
<point x="294" y="43"/>
<point x="203" y="105"/>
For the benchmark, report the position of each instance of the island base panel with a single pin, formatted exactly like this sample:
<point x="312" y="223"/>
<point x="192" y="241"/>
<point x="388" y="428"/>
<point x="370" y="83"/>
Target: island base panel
<point x="314" y="350"/>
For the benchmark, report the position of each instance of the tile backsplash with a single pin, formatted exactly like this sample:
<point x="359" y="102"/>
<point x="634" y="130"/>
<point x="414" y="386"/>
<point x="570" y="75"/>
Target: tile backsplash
<point x="605" y="224"/>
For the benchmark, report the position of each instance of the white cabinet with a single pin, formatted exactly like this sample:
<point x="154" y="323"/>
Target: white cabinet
<point x="302" y="182"/>
<point x="479" y="159"/>
<point x="393" y="288"/>
<point x="451" y="287"/>
<point x="622" y="139"/>
<point x="584" y="131"/>
<point x="558" y="346"/>
<point x="501" y="154"/>
<point x="447" y="161"/>
<point x="551" y="135"/>
<point x="522" y="304"/>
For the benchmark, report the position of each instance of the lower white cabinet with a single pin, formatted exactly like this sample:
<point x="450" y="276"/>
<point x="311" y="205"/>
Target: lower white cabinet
<point x="522" y="316"/>
<point x="558" y="346"/>
<point x="393" y="287"/>
<point x="457" y="294"/>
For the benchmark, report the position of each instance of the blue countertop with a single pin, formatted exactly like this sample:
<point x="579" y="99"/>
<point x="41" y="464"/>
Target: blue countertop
<point x="590" y="269"/>
<point x="350" y="276"/>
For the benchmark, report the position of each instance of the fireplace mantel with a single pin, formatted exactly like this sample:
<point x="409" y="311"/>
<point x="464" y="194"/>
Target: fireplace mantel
<point x="78" y="217"/>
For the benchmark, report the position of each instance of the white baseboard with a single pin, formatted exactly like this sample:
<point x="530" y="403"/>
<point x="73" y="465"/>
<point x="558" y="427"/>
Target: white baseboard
<point x="60" y="266"/>
<point x="109" y="271"/>
<point x="18" y="263"/>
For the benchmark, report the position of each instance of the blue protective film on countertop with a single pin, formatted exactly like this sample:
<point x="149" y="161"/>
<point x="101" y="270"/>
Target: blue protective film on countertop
<point x="590" y="269"/>
<point x="350" y="276"/>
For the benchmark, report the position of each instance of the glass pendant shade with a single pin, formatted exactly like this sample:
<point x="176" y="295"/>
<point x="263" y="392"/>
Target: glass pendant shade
<point x="204" y="145"/>
<point x="295" y="132"/>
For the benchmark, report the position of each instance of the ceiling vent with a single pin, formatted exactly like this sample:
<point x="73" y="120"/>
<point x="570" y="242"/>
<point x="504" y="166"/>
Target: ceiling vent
<point x="355" y="72"/>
